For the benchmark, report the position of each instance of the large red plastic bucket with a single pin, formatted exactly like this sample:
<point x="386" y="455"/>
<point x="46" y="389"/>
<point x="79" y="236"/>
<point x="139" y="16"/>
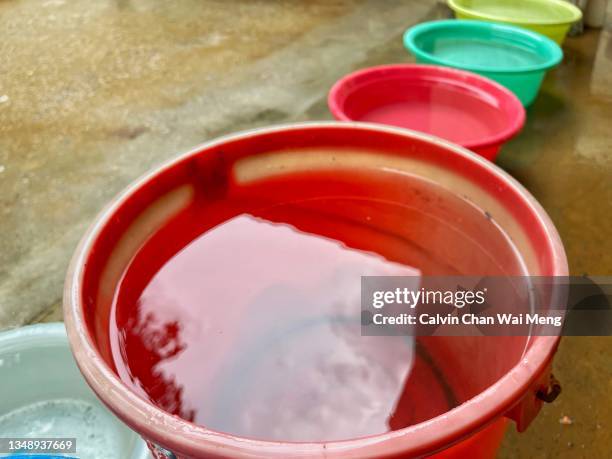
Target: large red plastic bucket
<point x="495" y="378"/>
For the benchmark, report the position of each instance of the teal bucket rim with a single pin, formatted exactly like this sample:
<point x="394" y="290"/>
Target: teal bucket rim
<point x="543" y="44"/>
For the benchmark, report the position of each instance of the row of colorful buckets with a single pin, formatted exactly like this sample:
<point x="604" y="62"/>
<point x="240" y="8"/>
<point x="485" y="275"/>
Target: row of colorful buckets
<point x="474" y="75"/>
<point x="35" y="362"/>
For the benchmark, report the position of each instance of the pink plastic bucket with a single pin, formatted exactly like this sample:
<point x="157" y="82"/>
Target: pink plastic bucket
<point x="465" y="108"/>
<point x="496" y="378"/>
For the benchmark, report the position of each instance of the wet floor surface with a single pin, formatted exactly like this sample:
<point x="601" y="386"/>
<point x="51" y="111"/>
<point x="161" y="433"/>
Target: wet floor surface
<point x="93" y="94"/>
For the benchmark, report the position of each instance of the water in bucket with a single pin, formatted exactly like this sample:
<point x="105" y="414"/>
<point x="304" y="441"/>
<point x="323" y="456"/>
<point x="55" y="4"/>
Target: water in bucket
<point x="242" y="313"/>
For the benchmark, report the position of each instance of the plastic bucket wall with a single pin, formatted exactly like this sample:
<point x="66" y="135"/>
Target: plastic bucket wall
<point x="509" y="373"/>
<point x="552" y="18"/>
<point x="557" y="33"/>
<point x="526" y="86"/>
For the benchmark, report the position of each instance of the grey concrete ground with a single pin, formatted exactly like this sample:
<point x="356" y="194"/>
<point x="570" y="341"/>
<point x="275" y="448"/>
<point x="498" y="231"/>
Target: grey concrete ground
<point x="93" y="94"/>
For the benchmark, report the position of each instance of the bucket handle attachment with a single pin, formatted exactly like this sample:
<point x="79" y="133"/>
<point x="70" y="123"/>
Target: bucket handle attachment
<point x="551" y="392"/>
<point x="545" y="389"/>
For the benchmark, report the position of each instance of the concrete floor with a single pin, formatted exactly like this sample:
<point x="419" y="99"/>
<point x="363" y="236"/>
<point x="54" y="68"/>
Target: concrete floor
<point x="93" y="94"/>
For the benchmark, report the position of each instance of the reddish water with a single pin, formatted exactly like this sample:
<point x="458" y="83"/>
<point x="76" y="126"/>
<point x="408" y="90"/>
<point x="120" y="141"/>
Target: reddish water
<point x="242" y="314"/>
<point x="442" y="121"/>
<point x="458" y="115"/>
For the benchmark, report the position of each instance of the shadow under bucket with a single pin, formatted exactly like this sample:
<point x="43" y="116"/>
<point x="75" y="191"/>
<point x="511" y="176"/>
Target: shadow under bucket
<point x="185" y="245"/>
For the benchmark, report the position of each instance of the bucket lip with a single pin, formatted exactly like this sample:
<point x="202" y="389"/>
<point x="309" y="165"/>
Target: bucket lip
<point x="450" y="76"/>
<point x="552" y="50"/>
<point x="187" y="438"/>
<point x="573" y="13"/>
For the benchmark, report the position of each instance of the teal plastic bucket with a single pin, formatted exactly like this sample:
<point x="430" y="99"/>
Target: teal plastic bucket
<point x="514" y="57"/>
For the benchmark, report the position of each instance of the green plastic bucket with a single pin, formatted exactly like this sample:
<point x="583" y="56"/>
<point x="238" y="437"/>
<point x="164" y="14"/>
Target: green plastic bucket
<point x="552" y="18"/>
<point x="514" y="57"/>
